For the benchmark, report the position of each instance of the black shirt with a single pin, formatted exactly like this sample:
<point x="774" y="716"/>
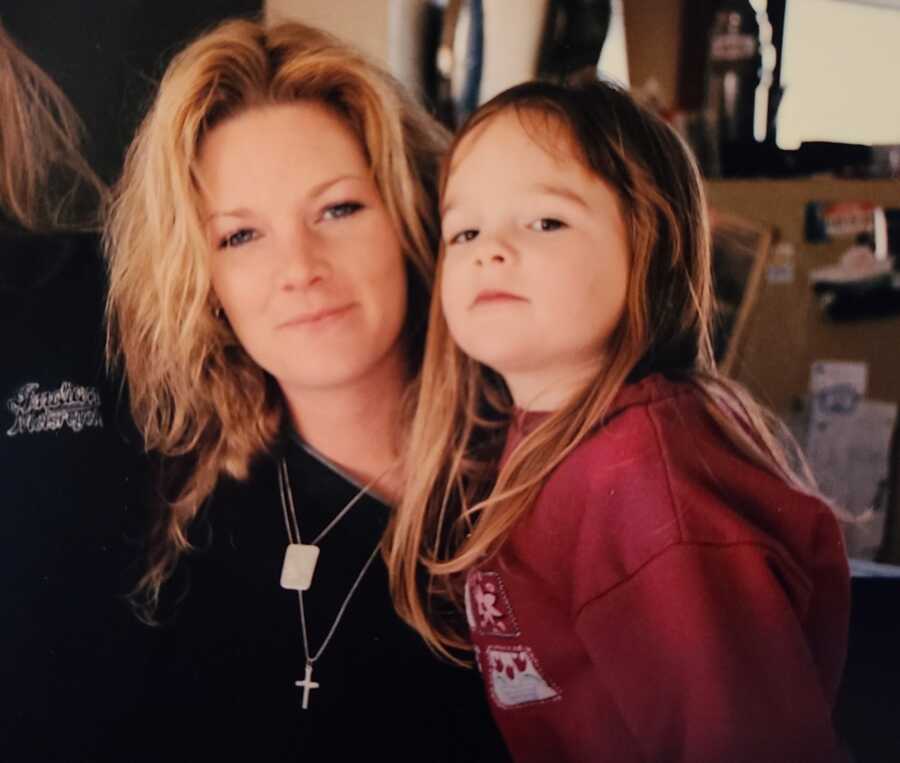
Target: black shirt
<point x="239" y="648"/>
<point x="71" y="652"/>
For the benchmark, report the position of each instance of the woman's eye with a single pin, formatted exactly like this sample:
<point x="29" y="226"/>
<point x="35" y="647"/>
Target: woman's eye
<point x="344" y="209"/>
<point x="547" y="224"/>
<point x="463" y="237"/>
<point x="238" y="238"/>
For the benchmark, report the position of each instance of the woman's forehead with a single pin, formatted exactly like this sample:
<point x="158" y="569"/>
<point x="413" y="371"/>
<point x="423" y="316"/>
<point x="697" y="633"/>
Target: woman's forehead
<point x="302" y="142"/>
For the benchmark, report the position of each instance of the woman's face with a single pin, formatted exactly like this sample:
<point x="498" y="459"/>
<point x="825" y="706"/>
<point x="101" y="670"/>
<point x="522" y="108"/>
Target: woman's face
<point x="304" y="257"/>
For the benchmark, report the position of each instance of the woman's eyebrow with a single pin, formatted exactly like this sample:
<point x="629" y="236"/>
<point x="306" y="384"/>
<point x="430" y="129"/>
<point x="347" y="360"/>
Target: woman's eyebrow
<point x="316" y="190"/>
<point x="241" y="212"/>
<point x="320" y="188"/>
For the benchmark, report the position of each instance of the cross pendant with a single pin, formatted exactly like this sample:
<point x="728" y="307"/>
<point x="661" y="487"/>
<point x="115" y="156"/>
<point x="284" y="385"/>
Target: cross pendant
<point x="307" y="683"/>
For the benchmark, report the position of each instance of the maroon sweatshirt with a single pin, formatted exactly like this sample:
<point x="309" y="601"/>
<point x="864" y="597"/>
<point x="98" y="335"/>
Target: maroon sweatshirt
<point x="664" y="600"/>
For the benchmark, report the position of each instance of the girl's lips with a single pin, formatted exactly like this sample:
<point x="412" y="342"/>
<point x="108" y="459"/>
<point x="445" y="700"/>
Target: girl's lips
<point x="316" y="317"/>
<point x="489" y="296"/>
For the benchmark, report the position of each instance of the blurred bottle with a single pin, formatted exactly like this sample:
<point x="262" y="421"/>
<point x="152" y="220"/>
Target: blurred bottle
<point x="740" y="68"/>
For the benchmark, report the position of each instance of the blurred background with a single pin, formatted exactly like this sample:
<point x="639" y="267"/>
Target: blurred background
<point x="791" y="108"/>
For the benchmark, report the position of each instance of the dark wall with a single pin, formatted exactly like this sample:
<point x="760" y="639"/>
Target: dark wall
<point x="107" y="55"/>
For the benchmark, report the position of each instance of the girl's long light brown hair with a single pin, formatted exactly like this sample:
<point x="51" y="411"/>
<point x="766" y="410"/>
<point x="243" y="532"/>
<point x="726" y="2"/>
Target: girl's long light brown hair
<point x="45" y="183"/>
<point x="195" y="393"/>
<point x="456" y="510"/>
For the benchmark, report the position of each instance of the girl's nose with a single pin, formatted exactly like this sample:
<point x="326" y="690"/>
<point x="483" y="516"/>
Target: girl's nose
<point x="493" y="250"/>
<point x="491" y="258"/>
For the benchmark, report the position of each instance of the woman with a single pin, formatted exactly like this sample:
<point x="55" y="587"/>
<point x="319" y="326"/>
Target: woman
<point x="71" y="651"/>
<point x="271" y="253"/>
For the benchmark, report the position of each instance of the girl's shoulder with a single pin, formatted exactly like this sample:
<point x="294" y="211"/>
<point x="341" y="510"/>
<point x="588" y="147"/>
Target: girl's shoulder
<point x="661" y="437"/>
<point x="659" y="474"/>
<point x="644" y="422"/>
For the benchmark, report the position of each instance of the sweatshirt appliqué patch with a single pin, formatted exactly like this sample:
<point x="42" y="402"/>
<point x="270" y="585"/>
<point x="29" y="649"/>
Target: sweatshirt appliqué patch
<point x="71" y="405"/>
<point x="487" y="606"/>
<point x="514" y="677"/>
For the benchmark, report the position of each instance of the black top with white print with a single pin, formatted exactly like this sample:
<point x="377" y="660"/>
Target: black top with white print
<point x="70" y="648"/>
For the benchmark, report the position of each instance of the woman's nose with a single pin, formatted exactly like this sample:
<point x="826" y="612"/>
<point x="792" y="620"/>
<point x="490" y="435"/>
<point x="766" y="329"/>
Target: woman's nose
<point x="304" y="261"/>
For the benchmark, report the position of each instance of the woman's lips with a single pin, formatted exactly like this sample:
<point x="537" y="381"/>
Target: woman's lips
<point x="316" y="317"/>
<point x="493" y="296"/>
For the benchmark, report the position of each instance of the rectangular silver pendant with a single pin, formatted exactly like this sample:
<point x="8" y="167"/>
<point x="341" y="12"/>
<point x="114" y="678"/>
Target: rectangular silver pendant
<point x="299" y="565"/>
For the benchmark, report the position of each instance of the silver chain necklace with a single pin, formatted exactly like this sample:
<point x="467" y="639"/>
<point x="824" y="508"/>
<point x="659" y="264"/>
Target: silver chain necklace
<point x="300" y="564"/>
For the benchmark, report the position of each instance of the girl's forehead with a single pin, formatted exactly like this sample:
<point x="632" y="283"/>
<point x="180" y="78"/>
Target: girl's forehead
<point x="516" y="129"/>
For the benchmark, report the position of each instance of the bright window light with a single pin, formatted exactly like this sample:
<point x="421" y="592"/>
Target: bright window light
<point x="613" y="62"/>
<point x="839" y="62"/>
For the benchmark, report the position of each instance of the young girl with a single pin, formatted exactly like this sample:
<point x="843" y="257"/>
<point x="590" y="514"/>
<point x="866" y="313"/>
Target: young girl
<point x="647" y="577"/>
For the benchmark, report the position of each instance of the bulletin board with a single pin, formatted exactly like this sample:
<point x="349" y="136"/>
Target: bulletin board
<point x="786" y="330"/>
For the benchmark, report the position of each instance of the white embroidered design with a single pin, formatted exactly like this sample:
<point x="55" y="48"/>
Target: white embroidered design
<point x="514" y="677"/>
<point x="71" y="405"/>
<point x="487" y="606"/>
<point x="470" y="616"/>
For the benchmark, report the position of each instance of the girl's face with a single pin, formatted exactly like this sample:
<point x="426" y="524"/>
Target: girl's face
<point x="535" y="262"/>
<point x="304" y="257"/>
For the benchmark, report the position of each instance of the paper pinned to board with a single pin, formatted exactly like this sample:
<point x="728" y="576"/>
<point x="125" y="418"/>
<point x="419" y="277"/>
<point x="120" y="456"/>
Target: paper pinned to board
<point x="848" y="447"/>
<point x="780" y="269"/>
<point x="829" y="376"/>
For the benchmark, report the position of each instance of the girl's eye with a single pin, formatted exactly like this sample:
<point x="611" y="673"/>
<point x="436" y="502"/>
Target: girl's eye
<point x="463" y="237"/>
<point x="238" y="238"/>
<point x="547" y="224"/>
<point x="344" y="209"/>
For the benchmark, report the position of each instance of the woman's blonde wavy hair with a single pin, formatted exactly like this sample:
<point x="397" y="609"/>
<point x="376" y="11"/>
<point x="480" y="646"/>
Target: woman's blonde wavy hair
<point x="456" y="510"/>
<point x="195" y="393"/>
<point x="45" y="183"/>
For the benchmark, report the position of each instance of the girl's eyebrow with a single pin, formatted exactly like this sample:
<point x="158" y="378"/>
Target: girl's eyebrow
<point x="565" y="193"/>
<point x="547" y="188"/>
<point x="446" y="208"/>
